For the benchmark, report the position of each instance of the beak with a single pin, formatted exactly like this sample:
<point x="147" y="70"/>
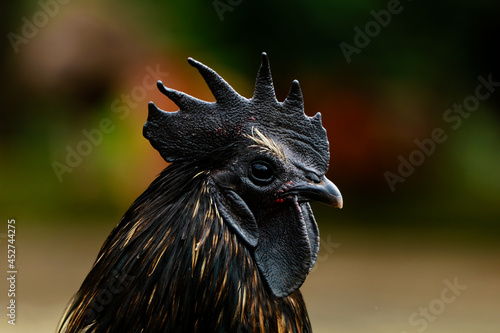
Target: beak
<point x="325" y="192"/>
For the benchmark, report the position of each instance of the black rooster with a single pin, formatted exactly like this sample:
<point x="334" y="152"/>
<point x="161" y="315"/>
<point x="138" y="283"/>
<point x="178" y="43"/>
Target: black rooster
<point x="224" y="237"/>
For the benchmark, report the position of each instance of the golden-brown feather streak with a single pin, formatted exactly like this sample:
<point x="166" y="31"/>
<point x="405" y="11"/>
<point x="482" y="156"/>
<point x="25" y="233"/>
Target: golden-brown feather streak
<point x="266" y="144"/>
<point x="215" y="254"/>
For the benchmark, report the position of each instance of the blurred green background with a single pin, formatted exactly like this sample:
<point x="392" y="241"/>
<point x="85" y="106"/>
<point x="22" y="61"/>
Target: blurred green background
<point x="80" y="67"/>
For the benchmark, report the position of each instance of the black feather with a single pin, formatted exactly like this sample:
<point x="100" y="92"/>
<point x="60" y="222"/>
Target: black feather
<point x="206" y="281"/>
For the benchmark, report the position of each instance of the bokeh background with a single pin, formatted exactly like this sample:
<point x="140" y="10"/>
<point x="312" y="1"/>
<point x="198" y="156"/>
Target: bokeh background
<point x="74" y="67"/>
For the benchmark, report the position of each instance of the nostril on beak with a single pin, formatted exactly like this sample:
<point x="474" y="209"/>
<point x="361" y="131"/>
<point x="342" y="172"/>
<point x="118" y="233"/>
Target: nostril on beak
<point x="313" y="177"/>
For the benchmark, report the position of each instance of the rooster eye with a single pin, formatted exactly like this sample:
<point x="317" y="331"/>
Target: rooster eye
<point x="261" y="173"/>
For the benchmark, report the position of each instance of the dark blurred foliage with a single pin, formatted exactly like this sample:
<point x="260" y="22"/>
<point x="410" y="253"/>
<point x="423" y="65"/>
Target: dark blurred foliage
<point x="66" y="78"/>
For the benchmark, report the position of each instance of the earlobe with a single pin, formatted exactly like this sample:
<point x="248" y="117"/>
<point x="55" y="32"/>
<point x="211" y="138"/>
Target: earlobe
<point x="236" y="212"/>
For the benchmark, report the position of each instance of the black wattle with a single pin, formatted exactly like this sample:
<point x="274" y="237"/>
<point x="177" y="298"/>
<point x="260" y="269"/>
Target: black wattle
<point x="287" y="247"/>
<point x="312" y="231"/>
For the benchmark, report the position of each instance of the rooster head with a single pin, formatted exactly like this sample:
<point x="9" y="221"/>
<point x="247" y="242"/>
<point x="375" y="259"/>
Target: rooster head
<point x="265" y="161"/>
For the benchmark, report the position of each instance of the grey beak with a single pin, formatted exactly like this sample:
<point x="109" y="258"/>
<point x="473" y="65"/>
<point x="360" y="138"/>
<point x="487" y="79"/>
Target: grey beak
<point x="325" y="192"/>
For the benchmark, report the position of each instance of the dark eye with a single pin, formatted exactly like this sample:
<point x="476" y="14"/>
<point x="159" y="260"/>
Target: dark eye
<point x="261" y="173"/>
